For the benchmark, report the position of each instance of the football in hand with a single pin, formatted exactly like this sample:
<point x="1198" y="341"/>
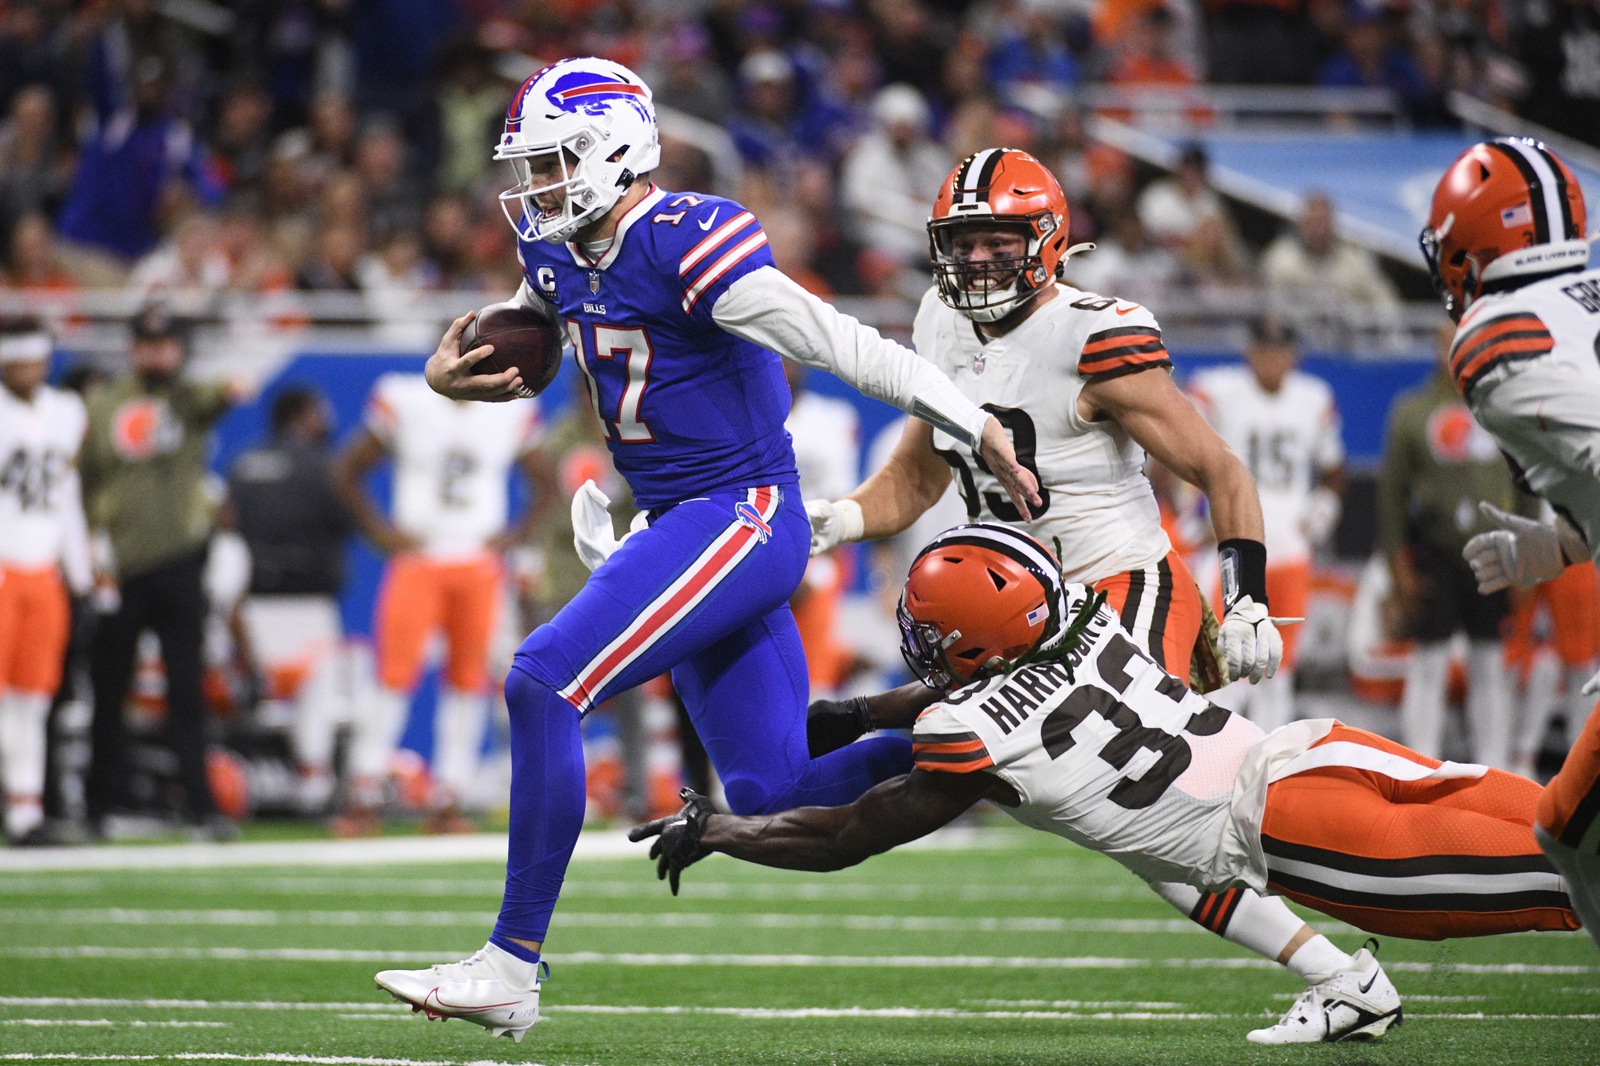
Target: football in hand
<point x="526" y="338"/>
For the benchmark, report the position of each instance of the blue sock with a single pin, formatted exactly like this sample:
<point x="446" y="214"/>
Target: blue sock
<point x="547" y="804"/>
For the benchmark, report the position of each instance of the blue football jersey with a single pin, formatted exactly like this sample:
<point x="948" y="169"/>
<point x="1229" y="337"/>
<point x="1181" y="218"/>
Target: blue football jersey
<point x="687" y="408"/>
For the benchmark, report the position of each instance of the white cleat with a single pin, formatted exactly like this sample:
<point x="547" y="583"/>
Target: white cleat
<point x="491" y="988"/>
<point x="1354" y="1004"/>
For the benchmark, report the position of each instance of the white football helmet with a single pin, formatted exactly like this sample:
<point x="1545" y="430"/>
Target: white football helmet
<point x="595" y="121"/>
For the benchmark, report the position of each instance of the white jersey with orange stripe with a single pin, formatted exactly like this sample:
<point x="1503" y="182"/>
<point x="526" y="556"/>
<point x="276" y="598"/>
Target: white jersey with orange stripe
<point x="1524" y="360"/>
<point x="1286" y="438"/>
<point x="1096" y="499"/>
<point x="1507" y="333"/>
<point x="452" y="462"/>
<point x="41" y="505"/>
<point x="1115" y="754"/>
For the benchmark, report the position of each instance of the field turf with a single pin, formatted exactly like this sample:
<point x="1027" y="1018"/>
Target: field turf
<point x="1021" y="950"/>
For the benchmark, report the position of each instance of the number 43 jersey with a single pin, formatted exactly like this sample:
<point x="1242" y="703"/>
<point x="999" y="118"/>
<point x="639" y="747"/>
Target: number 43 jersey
<point x="1096" y="498"/>
<point x="1120" y="758"/>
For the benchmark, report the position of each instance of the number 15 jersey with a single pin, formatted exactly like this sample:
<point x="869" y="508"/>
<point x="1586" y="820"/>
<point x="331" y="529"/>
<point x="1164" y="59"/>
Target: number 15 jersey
<point x="1121" y="758"/>
<point x="1096" y="499"/>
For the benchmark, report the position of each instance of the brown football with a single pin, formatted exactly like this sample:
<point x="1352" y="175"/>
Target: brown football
<point x="523" y="337"/>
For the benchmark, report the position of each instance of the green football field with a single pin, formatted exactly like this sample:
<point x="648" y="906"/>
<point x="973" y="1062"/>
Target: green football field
<point x="1021" y="949"/>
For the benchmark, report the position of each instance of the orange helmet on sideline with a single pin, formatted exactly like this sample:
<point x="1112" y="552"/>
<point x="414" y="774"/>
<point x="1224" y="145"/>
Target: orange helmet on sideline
<point x="1008" y="187"/>
<point x="978" y="598"/>
<point x="1506" y="212"/>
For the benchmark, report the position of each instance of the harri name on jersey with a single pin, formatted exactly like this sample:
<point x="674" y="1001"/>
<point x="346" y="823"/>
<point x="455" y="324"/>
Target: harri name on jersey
<point x="1031" y="688"/>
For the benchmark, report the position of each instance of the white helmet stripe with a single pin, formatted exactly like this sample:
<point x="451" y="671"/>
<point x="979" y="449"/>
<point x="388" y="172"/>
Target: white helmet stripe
<point x="1003" y="538"/>
<point x="1545" y="196"/>
<point x="972" y="176"/>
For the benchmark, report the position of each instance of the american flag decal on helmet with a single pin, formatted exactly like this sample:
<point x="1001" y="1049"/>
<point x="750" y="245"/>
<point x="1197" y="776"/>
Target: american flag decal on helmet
<point x="1512" y="217"/>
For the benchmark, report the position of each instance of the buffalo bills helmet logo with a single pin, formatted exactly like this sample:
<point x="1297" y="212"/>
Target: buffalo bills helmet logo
<point x="589" y="92"/>
<point x="748" y="515"/>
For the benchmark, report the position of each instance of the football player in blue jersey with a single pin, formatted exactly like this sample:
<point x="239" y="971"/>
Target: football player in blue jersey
<point x="677" y="318"/>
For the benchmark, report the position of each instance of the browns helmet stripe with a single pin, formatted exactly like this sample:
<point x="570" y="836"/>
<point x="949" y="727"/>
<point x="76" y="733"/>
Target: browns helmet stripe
<point x="1567" y="228"/>
<point x="1537" y="173"/>
<point x="976" y="175"/>
<point x="1011" y="543"/>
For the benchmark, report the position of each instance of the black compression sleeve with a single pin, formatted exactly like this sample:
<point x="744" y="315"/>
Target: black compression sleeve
<point x="1244" y="571"/>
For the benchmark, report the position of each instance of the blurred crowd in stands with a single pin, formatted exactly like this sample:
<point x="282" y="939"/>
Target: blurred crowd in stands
<point x="345" y="145"/>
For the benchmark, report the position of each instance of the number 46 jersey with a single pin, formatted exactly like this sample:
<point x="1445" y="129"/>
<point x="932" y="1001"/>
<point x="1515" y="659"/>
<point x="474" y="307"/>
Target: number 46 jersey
<point x="1096" y="498"/>
<point x="1120" y="758"/>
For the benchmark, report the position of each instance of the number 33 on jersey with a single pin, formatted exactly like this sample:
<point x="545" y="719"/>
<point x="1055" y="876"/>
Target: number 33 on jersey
<point x="1096" y="499"/>
<point x="1121" y="757"/>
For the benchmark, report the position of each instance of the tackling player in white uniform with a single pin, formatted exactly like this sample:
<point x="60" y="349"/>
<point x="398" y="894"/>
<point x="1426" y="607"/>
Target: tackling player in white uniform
<point x="1505" y="243"/>
<point x="1062" y="720"/>
<point x="1081" y="383"/>
<point x="42" y="535"/>
<point x="1285" y="425"/>
<point x="450" y="508"/>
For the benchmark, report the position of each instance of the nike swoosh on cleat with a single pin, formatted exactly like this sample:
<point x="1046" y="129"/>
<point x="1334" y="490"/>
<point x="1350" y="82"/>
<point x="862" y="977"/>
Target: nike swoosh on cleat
<point x="1370" y="982"/>
<point x="459" y="1008"/>
<point x="710" y="219"/>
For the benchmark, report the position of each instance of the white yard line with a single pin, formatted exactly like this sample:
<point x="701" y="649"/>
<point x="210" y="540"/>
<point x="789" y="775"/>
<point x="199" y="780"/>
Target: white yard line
<point x="610" y="920"/>
<point x="226" y="1057"/>
<point x="191" y="1004"/>
<point x="894" y="1012"/>
<point x="829" y="891"/>
<point x="1087" y="962"/>
<point x="107" y="1022"/>
<point x="469" y="847"/>
<point x="758" y="1013"/>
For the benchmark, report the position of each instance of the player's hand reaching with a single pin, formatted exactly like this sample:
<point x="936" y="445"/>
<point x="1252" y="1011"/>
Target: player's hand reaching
<point x="1001" y="458"/>
<point x="1521" y="552"/>
<point x="1251" y="644"/>
<point x="833" y="523"/>
<point x="677" y="845"/>
<point x="450" y="371"/>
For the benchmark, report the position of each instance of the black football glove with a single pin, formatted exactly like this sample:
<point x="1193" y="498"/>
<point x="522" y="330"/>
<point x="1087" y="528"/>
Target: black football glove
<point x="830" y="724"/>
<point x="677" y="845"/>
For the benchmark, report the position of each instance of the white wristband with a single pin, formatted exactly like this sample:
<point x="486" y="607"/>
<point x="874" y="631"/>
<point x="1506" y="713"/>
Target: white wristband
<point x="851" y="524"/>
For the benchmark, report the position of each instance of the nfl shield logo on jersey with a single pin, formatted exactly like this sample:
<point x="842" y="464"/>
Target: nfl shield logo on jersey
<point x="594" y="282"/>
<point x="978" y="363"/>
<point x="749" y="516"/>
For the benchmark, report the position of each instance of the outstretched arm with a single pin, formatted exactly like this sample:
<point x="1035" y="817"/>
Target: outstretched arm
<point x="767" y="308"/>
<point x="815" y="838"/>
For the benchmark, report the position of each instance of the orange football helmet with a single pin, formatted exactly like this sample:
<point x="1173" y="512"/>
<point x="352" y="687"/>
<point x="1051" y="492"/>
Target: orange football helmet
<point x="978" y="598"/>
<point x="1012" y="188"/>
<point x="1505" y="212"/>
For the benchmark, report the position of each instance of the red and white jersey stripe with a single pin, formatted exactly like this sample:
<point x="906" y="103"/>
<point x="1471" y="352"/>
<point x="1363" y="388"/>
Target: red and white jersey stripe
<point x="724" y="248"/>
<point x="658" y="618"/>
